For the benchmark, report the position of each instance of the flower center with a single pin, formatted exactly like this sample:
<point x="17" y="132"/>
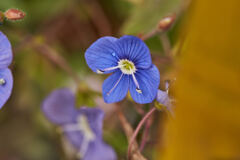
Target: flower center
<point x="82" y="126"/>
<point x="127" y="67"/>
<point x="2" y="81"/>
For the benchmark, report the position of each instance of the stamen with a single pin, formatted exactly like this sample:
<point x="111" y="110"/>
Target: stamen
<point x="101" y="71"/>
<point x="112" y="68"/>
<point x="83" y="148"/>
<point x="137" y="84"/>
<point x="2" y="81"/>
<point x="115" y="85"/>
<point x="82" y="125"/>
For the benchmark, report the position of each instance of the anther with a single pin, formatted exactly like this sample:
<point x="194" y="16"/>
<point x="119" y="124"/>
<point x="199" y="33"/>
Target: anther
<point x="2" y="81"/>
<point x="100" y="71"/>
<point x="137" y="84"/>
<point x="138" y="90"/>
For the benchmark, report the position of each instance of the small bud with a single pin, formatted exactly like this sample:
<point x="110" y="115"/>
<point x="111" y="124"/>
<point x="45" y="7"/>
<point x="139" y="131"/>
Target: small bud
<point x="14" y="14"/>
<point x="166" y="22"/>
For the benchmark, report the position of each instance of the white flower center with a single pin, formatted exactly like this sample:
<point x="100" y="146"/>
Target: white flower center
<point x="2" y="81"/>
<point x="127" y="67"/>
<point x="84" y="127"/>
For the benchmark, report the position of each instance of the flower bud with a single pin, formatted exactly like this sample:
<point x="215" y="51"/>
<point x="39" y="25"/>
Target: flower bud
<point x="166" y="22"/>
<point x="14" y="14"/>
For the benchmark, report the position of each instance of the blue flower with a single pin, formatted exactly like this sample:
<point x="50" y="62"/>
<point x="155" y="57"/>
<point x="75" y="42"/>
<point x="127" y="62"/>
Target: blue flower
<point x="82" y="127"/>
<point x="129" y="60"/>
<point x="6" y="79"/>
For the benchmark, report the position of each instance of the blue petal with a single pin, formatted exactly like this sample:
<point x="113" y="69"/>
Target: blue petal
<point x="135" y="50"/>
<point x="59" y="106"/>
<point x="100" y="151"/>
<point x="95" y="119"/>
<point x="5" y="51"/>
<point x="120" y="91"/>
<point x="102" y="54"/>
<point x="148" y="81"/>
<point x="6" y="88"/>
<point x="162" y="97"/>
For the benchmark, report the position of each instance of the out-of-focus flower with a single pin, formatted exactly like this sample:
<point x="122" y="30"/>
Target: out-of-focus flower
<point x="129" y="59"/>
<point x="14" y="14"/>
<point x="6" y="79"/>
<point x="163" y="99"/>
<point x="82" y="127"/>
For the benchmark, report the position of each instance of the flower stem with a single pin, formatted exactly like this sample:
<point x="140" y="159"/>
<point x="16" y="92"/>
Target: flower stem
<point x="129" y="133"/>
<point x="141" y="123"/>
<point x="146" y="133"/>
<point x="150" y="34"/>
<point x="165" y="43"/>
<point x="54" y="57"/>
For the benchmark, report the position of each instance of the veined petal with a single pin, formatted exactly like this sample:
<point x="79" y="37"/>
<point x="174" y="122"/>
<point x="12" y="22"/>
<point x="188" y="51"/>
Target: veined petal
<point x="148" y="80"/>
<point x="5" y="51"/>
<point x="59" y="106"/>
<point x="100" y="151"/>
<point x="94" y="120"/>
<point x="115" y="87"/>
<point x="6" y="88"/>
<point x="102" y="54"/>
<point x="135" y="50"/>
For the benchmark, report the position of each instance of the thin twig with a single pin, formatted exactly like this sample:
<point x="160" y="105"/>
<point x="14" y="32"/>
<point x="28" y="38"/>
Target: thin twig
<point x="98" y="17"/>
<point x="146" y="133"/>
<point x="165" y="43"/>
<point x="152" y="33"/>
<point x="138" y="108"/>
<point x="54" y="57"/>
<point x="129" y="132"/>
<point x="140" y="124"/>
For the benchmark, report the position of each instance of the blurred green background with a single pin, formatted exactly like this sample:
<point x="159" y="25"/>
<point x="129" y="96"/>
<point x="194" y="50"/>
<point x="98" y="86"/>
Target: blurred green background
<point x="66" y="28"/>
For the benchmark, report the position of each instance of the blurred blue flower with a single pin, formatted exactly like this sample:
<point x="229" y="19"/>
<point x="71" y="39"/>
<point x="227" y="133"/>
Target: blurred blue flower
<point x="129" y="60"/>
<point x="82" y="127"/>
<point x="6" y="79"/>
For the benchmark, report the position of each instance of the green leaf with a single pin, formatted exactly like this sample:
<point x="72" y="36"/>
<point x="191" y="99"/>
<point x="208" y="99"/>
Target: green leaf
<point x="146" y="15"/>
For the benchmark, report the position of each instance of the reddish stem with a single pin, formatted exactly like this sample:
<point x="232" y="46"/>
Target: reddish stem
<point x="145" y="133"/>
<point x="141" y="123"/>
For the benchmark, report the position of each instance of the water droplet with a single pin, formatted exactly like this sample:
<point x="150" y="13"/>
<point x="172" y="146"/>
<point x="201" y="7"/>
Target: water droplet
<point x="113" y="54"/>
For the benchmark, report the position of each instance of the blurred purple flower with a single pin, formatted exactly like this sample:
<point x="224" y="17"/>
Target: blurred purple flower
<point x="129" y="59"/>
<point x="6" y="79"/>
<point x="82" y="127"/>
<point x="164" y="99"/>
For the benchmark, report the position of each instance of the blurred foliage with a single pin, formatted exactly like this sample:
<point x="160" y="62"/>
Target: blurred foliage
<point x="207" y="122"/>
<point x="146" y="15"/>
